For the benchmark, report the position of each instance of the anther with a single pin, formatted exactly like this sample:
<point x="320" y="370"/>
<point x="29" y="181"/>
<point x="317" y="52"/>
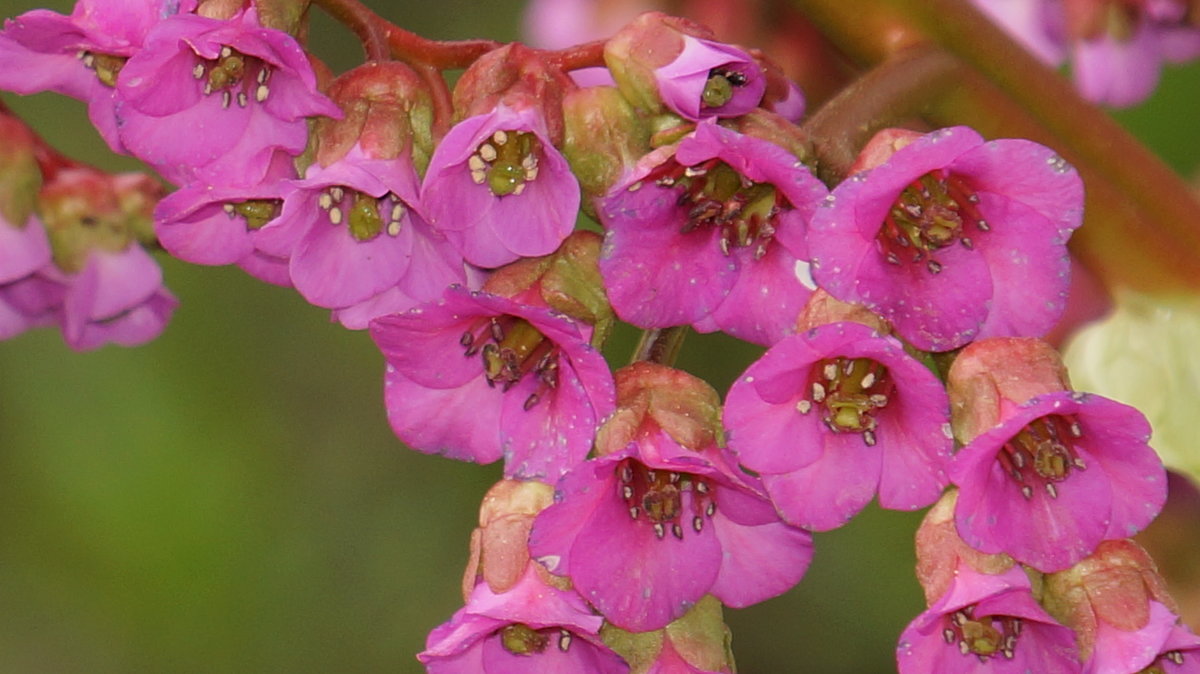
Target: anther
<point x="934" y="267"/>
<point x="633" y="512"/>
<point x="335" y="216"/>
<point x="659" y="530"/>
<point x="627" y="474"/>
<point x="198" y="71"/>
<point x="627" y="492"/>
<point x="225" y="98"/>
<point x="830" y="371"/>
<point x="500" y="137"/>
<point x="892" y="258"/>
<point x="226" y="52"/>
<point x="818" y="392"/>
<point x="532" y="400"/>
<point x="948" y="635"/>
<point x="229" y="210"/>
<point x="241" y="99"/>
<point x="261" y="93"/>
<point x="263" y="75"/>
<point x="967" y="243"/>
<point x="397" y="212"/>
<point x="337" y="193"/>
<point x="475" y="163"/>
<point x="983" y="225"/>
<point x="868" y="380"/>
<point x="325" y="201"/>
<point x="1051" y="490"/>
<point x="486" y="153"/>
<point x="564" y="641"/>
<point x="869" y="438"/>
<point x="878" y="400"/>
<point x="710" y="509"/>
<point x="478" y="177"/>
<point x="804" y="406"/>
<point x="701" y="487"/>
<point x="698" y="523"/>
<point x="677" y="531"/>
<point x="1076" y="430"/>
<point x="1027" y="492"/>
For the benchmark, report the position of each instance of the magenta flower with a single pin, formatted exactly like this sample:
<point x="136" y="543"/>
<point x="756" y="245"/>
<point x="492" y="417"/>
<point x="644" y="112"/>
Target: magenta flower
<point x="710" y="79"/>
<point x="829" y="417"/>
<point x="499" y="190"/>
<point x="31" y="302"/>
<point x="23" y="252"/>
<point x="711" y="235"/>
<point x="351" y="230"/>
<point x="1162" y="645"/>
<point x="80" y="55"/>
<point x="116" y="297"/>
<point x="533" y="627"/>
<point x="476" y="376"/>
<point x="645" y="532"/>
<point x="1063" y="472"/>
<point x="986" y="623"/>
<point x="219" y="224"/>
<point x="240" y="90"/>
<point x="953" y="238"/>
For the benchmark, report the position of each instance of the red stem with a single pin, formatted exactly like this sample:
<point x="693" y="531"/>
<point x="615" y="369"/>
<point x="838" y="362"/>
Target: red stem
<point x="586" y="55"/>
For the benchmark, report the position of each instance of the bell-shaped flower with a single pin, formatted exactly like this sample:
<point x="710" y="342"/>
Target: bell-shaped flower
<point x="711" y="233"/>
<point x="829" y="417"/>
<point x="477" y="377"/>
<point x="953" y="238"/>
<point x="532" y="627"/>
<point x="351" y="230"/>
<point x="710" y="79"/>
<point x="80" y="55"/>
<point x="240" y="90"/>
<point x="116" y="297"/>
<point x="987" y="623"/>
<point x="644" y="533"/>
<point x="1162" y="645"/>
<point x="498" y="188"/>
<point x="1059" y="474"/>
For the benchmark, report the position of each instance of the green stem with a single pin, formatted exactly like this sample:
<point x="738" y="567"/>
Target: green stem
<point x="660" y="345"/>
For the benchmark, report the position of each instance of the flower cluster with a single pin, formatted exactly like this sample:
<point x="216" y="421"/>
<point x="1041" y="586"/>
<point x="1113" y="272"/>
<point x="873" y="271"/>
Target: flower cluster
<point x="901" y="301"/>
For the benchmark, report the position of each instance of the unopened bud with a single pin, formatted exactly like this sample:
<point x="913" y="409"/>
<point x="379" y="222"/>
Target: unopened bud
<point x="881" y="147"/>
<point x="940" y="550"/>
<point x="387" y="111"/>
<point x="992" y="376"/>
<point x="823" y="308"/>
<point x="84" y="209"/>
<point x="653" y="397"/>
<point x="20" y="176"/>
<point x="499" y="547"/>
<point x="514" y="76"/>
<point x="604" y="138"/>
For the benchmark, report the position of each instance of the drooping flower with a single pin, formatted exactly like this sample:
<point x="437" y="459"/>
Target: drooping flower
<point x="352" y="230"/>
<point x="23" y="252"/>
<point x="533" y="627"/>
<point x="499" y="189"/>
<point x="986" y="623"/>
<point x="1060" y="473"/>
<point x="116" y="297"/>
<point x="710" y="79"/>
<point x="953" y="238"/>
<point x="830" y="417"/>
<point x="476" y="377"/>
<point x="711" y="234"/>
<point x="82" y="54"/>
<point x="240" y="90"/>
<point x="645" y="532"/>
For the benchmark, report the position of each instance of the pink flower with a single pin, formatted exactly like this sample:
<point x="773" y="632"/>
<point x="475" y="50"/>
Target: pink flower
<point x="23" y="252"/>
<point x="645" y="532"/>
<point x="240" y="91"/>
<point x="1060" y="473"/>
<point x="986" y="623"/>
<point x="475" y="377"/>
<point x="1163" y="643"/>
<point x="711" y="235"/>
<point x="533" y="627"/>
<point x="953" y="238"/>
<point x="351" y="231"/>
<point x="82" y="54"/>
<point x="116" y="297"/>
<point x="829" y="417"/>
<point x="499" y="190"/>
<point x="710" y="79"/>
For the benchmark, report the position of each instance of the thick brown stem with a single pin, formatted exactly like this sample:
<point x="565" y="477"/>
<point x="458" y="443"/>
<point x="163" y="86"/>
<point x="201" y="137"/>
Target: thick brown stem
<point x="660" y="345"/>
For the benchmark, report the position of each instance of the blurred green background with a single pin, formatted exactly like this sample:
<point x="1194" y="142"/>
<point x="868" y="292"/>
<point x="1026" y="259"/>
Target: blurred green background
<point x="229" y="498"/>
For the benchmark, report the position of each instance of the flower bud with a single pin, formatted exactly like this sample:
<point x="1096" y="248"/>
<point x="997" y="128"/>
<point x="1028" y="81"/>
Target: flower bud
<point x="516" y="77"/>
<point x="652" y="397"/>
<point x="20" y="176"/>
<point x="567" y="281"/>
<point x="940" y="550"/>
<point x="84" y="209"/>
<point x="823" y="308"/>
<point x="662" y="60"/>
<point x="1115" y="586"/>
<point x="991" y="377"/>
<point x="604" y="138"/>
<point x="884" y="144"/>
<point x="499" y="547"/>
<point x="387" y="110"/>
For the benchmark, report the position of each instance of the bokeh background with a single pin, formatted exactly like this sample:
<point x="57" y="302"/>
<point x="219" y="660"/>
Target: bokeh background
<point x="229" y="498"/>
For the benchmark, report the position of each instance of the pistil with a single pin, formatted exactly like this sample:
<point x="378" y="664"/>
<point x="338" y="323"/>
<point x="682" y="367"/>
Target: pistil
<point x="657" y="497"/>
<point x="237" y="77"/>
<point x="1042" y="455"/>
<point x="931" y="213"/>
<point x="506" y="162"/>
<point x="986" y="637"/>
<point x="511" y="349"/>
<point x="847" y="393"/>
